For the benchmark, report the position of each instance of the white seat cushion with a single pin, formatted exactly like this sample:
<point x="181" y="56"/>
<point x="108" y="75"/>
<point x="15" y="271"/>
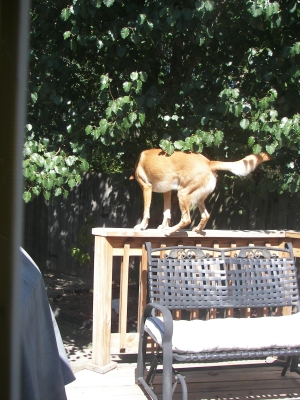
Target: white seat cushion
<point x="224" y="334"/>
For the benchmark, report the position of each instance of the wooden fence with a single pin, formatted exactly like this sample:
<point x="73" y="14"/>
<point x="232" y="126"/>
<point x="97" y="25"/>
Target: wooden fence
<point x="52" y="229"/>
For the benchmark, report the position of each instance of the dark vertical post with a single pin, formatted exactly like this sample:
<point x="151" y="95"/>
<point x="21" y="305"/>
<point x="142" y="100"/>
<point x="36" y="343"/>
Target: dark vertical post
<point x="14" y="17"/>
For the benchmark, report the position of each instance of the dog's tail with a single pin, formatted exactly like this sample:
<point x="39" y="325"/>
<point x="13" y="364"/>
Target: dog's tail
<point x="242" y="167"/>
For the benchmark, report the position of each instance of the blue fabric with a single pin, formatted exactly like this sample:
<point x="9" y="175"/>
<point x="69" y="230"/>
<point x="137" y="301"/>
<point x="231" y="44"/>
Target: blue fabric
<point x="45" y="366"/>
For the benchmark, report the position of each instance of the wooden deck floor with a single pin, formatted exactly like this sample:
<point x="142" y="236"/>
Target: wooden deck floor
<point x="222" y="382"/>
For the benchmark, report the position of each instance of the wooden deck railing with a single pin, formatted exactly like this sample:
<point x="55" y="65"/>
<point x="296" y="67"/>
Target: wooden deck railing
<point x="111" y="242"/>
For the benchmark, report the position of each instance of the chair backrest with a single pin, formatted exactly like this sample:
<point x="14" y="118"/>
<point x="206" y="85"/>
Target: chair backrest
<point x="202" y="277"/>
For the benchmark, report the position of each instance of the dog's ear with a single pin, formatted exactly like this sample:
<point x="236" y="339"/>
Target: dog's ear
<point x="131" y="177"/>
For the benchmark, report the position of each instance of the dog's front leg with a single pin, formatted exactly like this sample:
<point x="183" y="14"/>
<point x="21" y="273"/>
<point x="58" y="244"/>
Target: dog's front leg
<point x="147" y="195"/>
<point x="167" y="211"/>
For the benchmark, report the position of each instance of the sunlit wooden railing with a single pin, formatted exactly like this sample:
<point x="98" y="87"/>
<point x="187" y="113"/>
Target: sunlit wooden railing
<point x="124" y="243"/>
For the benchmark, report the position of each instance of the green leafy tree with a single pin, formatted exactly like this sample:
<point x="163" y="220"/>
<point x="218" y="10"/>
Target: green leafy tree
<point x="109" y="78"/>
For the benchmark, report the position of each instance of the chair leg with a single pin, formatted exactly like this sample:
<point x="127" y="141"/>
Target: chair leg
<point x="141" y="355"/>
<point x="147" y="384"/>
<point x="167" y="371"/>
<point x="182" y="381"/>
<point x="294" y="365"/>
<point x="286" y="365"/>
<point x="152" y="371"/>
<point x="141" y="366"/>
<point x="293" y="362"/>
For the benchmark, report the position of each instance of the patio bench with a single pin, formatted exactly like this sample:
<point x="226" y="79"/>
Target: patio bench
<point x="229" y="281"/>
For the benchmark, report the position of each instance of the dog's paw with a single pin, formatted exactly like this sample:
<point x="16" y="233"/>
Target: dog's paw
<point x="200" y="231"/>
<point x="169" y="230"/>
<point x="139" y="227"/>
<point x="162" y="227"/>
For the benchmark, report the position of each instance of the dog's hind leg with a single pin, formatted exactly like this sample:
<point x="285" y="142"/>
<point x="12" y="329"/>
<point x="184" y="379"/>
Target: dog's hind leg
<point x="147" y="195"/>
<point x="184" y="204"/>
<point x="204" y="216"/>
<point x="167" y="211"/>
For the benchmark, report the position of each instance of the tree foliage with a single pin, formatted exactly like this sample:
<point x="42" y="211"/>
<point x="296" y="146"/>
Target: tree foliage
<point x="109" y="78"/>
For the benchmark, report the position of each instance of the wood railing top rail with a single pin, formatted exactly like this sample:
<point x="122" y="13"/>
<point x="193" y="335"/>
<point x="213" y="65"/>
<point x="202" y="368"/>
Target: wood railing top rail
<point x="130" y="232"/>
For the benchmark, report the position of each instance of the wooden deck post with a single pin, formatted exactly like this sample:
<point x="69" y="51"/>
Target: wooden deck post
<point x="102" y="305"/>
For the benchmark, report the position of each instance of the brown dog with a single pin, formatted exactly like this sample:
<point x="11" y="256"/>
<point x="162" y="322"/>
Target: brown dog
<point x="191" y="174"/>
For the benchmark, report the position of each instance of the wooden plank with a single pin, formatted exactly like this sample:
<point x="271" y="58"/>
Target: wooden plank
<point x="130" y="345"/>
<point x="162" y="252"/>
<point x="229" y="311"/>
<point x="237" y="383"/>
<point x="262" y="312"/>
<point x="235" y="374"/>
<point x="120" y="376"/>
<point x="102" y="302"/>
<point x="246" y="312"/>
<point x="287" y="310"/>
<point x="293" y="234"/>
<point x="124" y="297"/>
<point x="251" y="394"/>
<point x="212" y="312"/>
<point x="117" y="384"/>
<point x="211" y="233"/>
<point x="244" y="385"/>
<point x="296" y="246"/>
<point x="142" y="286"/>
<point x="132" y="252"/>
<point x="106" y="392"/>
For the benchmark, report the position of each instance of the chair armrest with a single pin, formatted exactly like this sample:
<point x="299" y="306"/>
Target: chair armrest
<point x="167" y="318"/>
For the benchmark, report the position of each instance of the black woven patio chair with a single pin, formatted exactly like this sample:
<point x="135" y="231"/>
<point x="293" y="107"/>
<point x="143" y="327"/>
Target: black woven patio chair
<point x="198" y="278"/>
